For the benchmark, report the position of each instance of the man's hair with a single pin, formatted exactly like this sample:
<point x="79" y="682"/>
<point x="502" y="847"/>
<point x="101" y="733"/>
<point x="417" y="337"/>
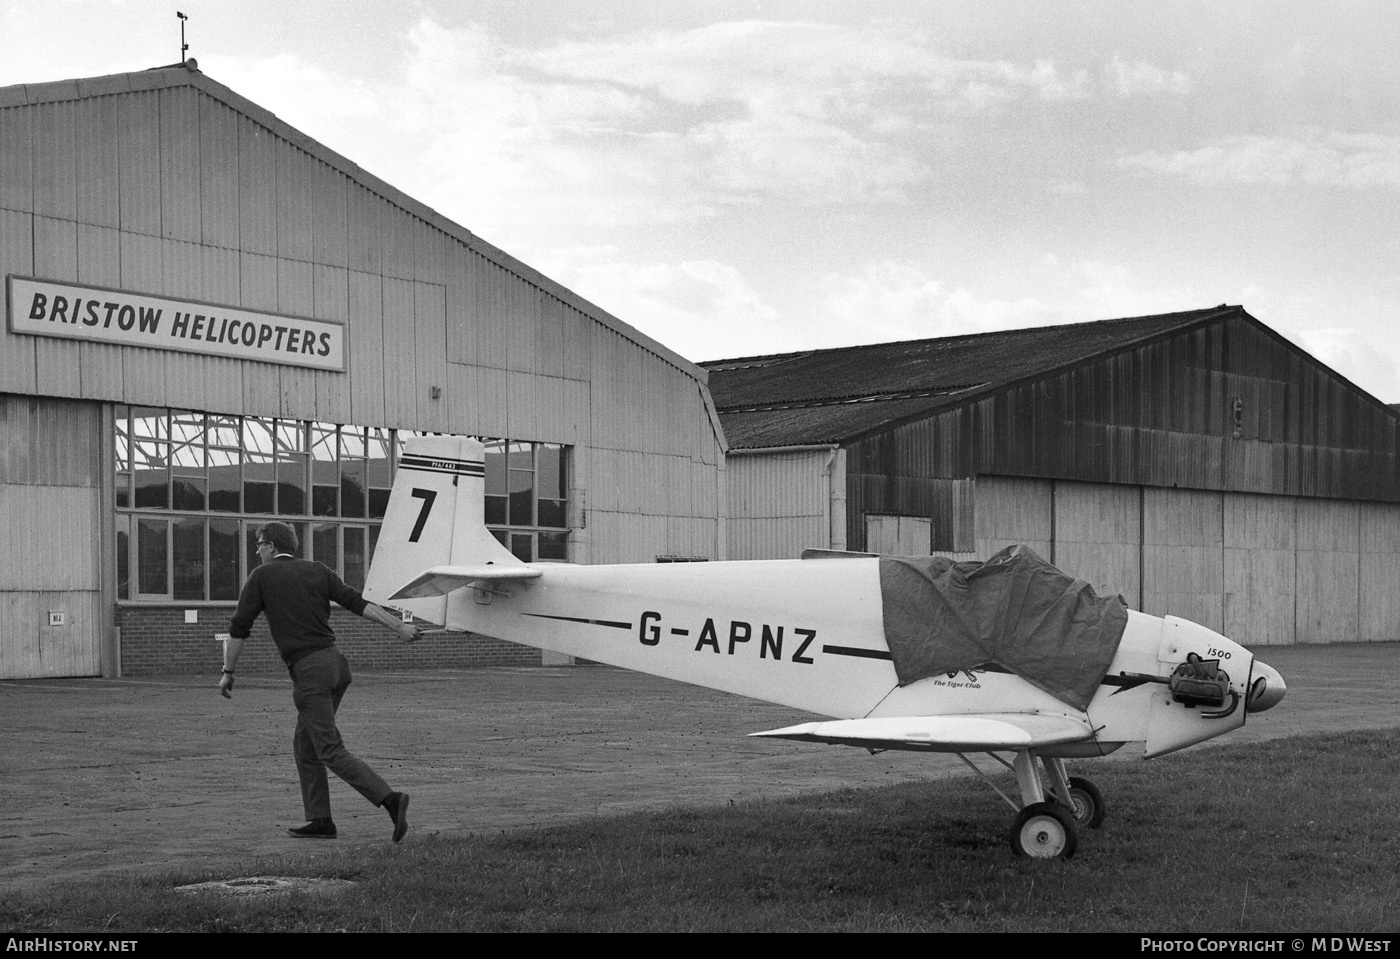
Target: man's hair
<point x="282" y="537"/>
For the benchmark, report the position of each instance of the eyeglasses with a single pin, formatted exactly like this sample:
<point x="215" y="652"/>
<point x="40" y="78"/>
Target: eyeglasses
<point x="262" y="543"/>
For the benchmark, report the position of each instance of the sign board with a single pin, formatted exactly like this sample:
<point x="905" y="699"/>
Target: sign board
<point x="94" y="314"/>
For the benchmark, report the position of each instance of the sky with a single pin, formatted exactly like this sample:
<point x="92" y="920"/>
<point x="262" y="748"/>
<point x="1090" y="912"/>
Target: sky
<point x="740" y="177"/>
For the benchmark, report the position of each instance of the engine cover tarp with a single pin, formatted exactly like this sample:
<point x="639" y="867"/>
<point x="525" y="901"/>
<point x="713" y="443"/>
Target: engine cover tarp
<point x="1014" y="610"/>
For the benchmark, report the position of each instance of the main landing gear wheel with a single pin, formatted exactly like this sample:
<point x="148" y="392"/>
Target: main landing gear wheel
<point x="1044" y="830"/>
<point x="1089" y="808"/>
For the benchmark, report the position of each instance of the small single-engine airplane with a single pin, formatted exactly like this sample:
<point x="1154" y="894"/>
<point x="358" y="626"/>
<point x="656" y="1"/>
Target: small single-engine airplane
<point x="920" y="653"/>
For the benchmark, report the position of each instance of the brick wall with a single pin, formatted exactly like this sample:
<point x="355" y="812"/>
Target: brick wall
<point x="158" y="640"/>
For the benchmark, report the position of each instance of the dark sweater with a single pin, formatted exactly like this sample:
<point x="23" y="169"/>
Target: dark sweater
<point x="295" y="594"/>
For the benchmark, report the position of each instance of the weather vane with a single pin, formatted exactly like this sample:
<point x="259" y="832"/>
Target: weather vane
<point x="183" y="45"/>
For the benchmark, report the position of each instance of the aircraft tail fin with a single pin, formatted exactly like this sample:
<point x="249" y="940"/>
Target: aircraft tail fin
<point x="436" y="517"/>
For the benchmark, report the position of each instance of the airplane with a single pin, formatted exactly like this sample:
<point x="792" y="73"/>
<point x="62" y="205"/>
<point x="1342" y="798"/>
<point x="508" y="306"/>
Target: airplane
<point x="865" y="640"/>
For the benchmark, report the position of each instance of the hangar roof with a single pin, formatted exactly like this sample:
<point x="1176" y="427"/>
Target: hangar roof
<point x="831" y="396"/>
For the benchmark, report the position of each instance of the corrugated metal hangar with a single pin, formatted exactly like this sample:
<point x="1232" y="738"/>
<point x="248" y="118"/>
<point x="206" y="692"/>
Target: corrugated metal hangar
<point x="1196" y="463"/>
<point x="214" y="321"/>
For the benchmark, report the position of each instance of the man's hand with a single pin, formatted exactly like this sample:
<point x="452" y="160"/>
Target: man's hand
<point x="226" y="685"/>
<point x="409" y="633"/>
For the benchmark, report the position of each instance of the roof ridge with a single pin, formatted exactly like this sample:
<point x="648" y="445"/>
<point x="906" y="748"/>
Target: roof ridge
<point x="808" y="402"/>
<point x="756" y="360"/>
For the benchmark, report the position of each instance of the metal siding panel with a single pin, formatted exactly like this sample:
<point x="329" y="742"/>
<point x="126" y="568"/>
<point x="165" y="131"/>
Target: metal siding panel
<point x="365" y="342"/>
<point x="461" y="396"/>
<point x="1328" y="587"/>
<point x="179" y="164"/>
<point x="1183" y="555"/>
<point x="362" y="229"/>
<point x="55" y="248"/>
<point x="220" y="282"/>
<point x="16" y="159"/>
<point x="777" y="504"/>
<point x="1379" y="572"/>
<point x="553" y="418"/>
<point x="521" y="323"/>
<point x="15" y="433"/>
<point x="182" y="374"/>
<point x="55" y="160"/>
<point x="50" y="514"/>
<point x="400" y="377"/>
<point x="56" y="257"/>
<point x="99" y="264"/>
<point x="430" y="353"/>
<point x="492" y="411"/>
<point x="329" y="229"/>
<point x="577" y="342"/>
<point x="429" y="253"/>
<point x="396" y="241"/>
<point x="257" y="188"/>
<point x="138" y="162"/>
<point x="19" y="636"/>
<point x="295" y="297"/>
<point x="1260" y="568"/>
<point x="491" y="318"/>
<point x="262" y="384"/>
<point x="218" y="174"/>
<point x="1097" y="536"/>
<point x="459" y="322"/>
<point x="17" y="372"/>
<point x="294" y="202"/>
<point x="1010" y="510"/>
<point x="549" y="348"/>
<point x="330" y="287"/>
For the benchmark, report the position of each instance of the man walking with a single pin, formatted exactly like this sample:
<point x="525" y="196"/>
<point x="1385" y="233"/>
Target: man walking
<point x="295" y="595"/>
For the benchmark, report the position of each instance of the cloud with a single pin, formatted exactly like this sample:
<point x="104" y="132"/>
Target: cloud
<point x="662" y="126"/>
<point x="1311" y="157"/>
<point x="1355" y="354"/>
<point x="690" y="305"/>
<point x="890" y="300"/>
<point x="885" y="301"/>
<point x="1131" y="79"/>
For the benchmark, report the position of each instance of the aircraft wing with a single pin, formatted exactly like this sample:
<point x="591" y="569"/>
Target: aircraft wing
<point x="982" y="732"/>
<point x="441" y="580"/>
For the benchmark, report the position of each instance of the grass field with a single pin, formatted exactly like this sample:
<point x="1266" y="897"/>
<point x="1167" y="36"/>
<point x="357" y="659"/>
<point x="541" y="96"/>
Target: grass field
<point x="1296" y="835"/>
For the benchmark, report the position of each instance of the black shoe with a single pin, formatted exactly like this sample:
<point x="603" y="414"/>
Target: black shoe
<point x="315" y="829"/>
<point x="396" y="805"/>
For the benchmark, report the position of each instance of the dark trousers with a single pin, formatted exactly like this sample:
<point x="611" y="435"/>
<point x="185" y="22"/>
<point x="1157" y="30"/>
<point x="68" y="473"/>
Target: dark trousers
<point x="319" y="682"/>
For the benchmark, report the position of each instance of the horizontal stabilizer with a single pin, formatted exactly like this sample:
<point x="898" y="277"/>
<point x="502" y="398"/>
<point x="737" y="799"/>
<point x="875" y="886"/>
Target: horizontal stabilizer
<point x="441" y="580"/>
<point x="947" y="734"/>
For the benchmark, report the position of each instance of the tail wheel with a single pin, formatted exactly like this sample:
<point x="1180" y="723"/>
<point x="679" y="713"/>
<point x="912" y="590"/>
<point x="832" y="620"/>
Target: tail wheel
<point x="1087" y="802"/>
<point x="1044" y="830"/>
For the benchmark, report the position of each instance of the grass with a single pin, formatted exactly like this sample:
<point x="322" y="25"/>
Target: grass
<point x="1295" y="835"/>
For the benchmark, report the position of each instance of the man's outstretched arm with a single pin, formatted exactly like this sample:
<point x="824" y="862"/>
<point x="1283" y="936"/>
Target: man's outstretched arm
<point x="406" y="631"/>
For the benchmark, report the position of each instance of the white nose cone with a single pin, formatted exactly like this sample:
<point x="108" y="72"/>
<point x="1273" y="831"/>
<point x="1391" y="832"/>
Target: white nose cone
<point x="1266" y="689"/>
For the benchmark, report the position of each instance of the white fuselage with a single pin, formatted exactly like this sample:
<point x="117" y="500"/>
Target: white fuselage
<point x="809" y="634"/>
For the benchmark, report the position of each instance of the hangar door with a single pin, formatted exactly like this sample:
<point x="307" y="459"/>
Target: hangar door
<point x="51" y="554"/>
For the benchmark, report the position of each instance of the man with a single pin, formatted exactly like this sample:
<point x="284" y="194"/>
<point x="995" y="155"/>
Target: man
<point x="295" y="594"/>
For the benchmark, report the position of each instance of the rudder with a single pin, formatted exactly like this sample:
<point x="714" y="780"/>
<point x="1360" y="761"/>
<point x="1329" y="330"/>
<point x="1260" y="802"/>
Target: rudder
<point x="436" y="516"/>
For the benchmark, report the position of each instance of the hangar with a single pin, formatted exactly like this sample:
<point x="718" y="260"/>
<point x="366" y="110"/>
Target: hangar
<point x="1196" y="463"/>
<point x="214" y="320"/>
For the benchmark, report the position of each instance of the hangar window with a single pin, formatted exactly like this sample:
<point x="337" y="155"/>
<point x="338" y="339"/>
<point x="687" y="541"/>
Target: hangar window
<point x="192" y="489"/>
<point x="526" y="498"/>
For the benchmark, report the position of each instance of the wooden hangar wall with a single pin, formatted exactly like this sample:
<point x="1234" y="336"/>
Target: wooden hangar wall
<point x="132" y="471"/>
<point x="1219" y="474"/>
